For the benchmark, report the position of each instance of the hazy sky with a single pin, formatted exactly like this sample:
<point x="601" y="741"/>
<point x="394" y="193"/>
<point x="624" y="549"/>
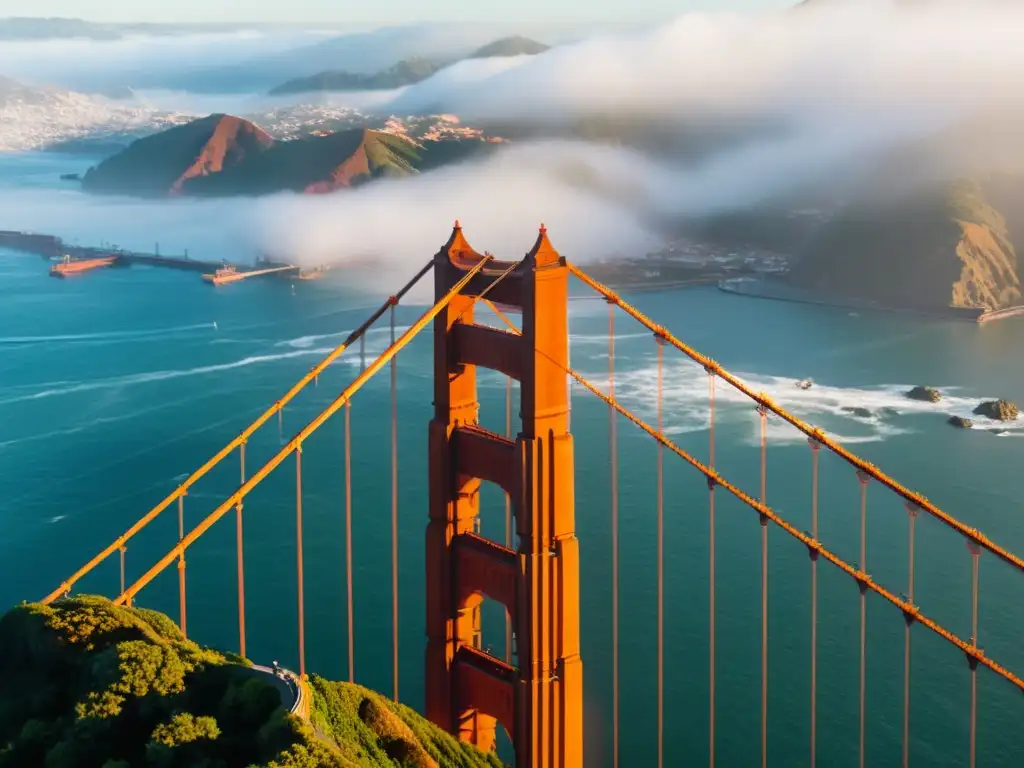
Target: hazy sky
<point x="383" y="11"/>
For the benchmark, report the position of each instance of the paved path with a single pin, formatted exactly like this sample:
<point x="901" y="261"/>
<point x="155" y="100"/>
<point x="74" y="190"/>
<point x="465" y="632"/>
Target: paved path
<point x="293" y="691"/>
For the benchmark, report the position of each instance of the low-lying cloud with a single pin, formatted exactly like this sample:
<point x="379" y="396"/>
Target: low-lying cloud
<point x="592" y="199"/>
<point x="817" y="92"/>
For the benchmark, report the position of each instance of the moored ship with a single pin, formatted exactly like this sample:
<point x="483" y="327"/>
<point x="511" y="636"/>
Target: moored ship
<point x="68" y="266"/>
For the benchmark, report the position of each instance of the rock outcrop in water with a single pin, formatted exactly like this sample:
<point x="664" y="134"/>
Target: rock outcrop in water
<point x="1000" y="410"/>
<point x="925" y="394"/>
<point x="858" y="411"/>
<point x="960" y="421"/>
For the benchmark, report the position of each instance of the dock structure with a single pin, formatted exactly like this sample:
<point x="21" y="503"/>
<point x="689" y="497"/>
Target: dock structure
<point x="83" y="258"/>
<point x="231" y="274"/>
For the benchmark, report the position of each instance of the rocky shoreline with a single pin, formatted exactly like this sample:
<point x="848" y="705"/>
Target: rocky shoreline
<point x="993" y="410"/>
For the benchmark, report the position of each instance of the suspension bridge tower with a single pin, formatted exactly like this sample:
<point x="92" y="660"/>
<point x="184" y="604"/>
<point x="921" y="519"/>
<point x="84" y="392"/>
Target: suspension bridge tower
<point x="539" y="701"/>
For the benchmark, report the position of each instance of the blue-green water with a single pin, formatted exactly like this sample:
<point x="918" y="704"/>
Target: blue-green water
<point x="115" y="385"/>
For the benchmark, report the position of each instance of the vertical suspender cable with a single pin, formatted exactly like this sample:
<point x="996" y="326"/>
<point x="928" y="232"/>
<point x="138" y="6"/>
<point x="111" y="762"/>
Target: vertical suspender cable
<point x="298" y="560"/>
<point x="508" y="516"/>
<point x="241" y="561"/>
<point x="863" y="478"/>
<point x="711" y="571"/>
<point x="394" y="506"/>
<point x="975" y="551"/>
<point x="181" y="567"/>
<point x="764" y="588"/>
<point x="912" y="510"/>
<point x="613" y="450"/>
<point x="815" y="450"/>
<point x="348" y="543"/>
<point x="123" y="550"/>
<point x="661" y="559"/>
<point x="280" y="425"/>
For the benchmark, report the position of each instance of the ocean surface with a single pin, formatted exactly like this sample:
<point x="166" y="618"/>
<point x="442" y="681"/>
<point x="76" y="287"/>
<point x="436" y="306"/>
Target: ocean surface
<point x="117" y="384"/>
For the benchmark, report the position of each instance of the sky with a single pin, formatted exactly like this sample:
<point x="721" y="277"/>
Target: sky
<point x="380" y="11"/>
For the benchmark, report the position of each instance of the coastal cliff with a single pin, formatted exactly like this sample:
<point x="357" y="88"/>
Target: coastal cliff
<point x="942" y="247"/>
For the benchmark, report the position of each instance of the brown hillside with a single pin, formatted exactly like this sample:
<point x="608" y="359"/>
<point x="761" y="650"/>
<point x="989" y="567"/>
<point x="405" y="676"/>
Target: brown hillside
<point x="222" y="156"/>
<point x="314" y="165"/>
<point x="229" y="143"/>
<point x="930" y="249"/>
<point x="161" y="164"/>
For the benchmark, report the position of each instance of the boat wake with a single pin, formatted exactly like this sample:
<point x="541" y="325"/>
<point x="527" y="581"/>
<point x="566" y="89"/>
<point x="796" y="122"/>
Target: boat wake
<point x="111" y="336"/>
<point x="153" y="376"/>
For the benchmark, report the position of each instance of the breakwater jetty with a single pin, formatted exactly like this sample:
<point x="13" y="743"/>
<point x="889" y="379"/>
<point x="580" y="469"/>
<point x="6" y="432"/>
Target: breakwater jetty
<point x="52" y="247"/>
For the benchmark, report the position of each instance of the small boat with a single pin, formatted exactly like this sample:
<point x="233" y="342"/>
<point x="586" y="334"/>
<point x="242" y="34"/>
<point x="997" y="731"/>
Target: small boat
<point x="805" y="384"/>
<point x="225" y="274"/>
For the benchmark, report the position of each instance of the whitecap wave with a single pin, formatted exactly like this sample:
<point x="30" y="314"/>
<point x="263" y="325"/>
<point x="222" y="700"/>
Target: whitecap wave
<point x="108" y="336"/>
<point x="847" y="414"/>
<point x="145" y="378"/>
<point x="305" y="342"/>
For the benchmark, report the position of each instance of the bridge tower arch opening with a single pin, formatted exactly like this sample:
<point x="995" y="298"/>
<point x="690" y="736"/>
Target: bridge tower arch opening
<point x="540" y="701"/>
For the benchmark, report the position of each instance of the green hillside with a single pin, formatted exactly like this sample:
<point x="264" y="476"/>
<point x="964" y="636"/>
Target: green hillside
<point x="343" y="159"/>
<point x="371" y="730"/>
<point x="514" y="45"/>
<point x="406" y="72"/>
<point x="91" y="685"/>
<point x="161" y="163"/>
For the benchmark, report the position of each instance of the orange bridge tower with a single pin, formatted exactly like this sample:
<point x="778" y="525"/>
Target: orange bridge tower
<point x="468" y="691"/>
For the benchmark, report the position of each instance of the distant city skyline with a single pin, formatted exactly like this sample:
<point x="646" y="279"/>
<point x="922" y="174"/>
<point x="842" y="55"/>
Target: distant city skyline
<point x="380" y="12"/>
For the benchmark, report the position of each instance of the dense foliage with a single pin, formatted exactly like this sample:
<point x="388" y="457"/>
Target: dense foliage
<point x="91" y="685"/>
<point x="87" y="684"/>
<point x="371" y="730"/>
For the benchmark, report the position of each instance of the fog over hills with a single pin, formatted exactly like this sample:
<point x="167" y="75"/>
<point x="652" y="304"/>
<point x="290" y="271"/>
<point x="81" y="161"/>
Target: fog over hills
<point x="708" y="115"/>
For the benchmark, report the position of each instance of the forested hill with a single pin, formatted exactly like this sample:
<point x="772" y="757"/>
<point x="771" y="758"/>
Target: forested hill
<point x="87" y="684"/>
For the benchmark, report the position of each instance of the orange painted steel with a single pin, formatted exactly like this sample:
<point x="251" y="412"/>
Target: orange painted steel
<point x="508" y="499"/>
<point x="813" y="432"/>
<point x="181" y="490"/>
<point x="292" y="444"/>
<point x="912" y="512"/>
<point x="660" y="343"/>
<point x="974" y="654"/>
<point x="540" y="702"/>
<point x="394" y="509"/>
<point x="348" y="545"/>
<point x="764" y="588"/>
<point x="815" y="451"/>
<point x="711" y="573"/>
<point x="975" y="558"/>
<point x="614" y="498"/>
<point x="298" y="561"/>
<point x="863" y="479"/>
<point x="181" y="567"/>
<point x="240" y="559"/>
